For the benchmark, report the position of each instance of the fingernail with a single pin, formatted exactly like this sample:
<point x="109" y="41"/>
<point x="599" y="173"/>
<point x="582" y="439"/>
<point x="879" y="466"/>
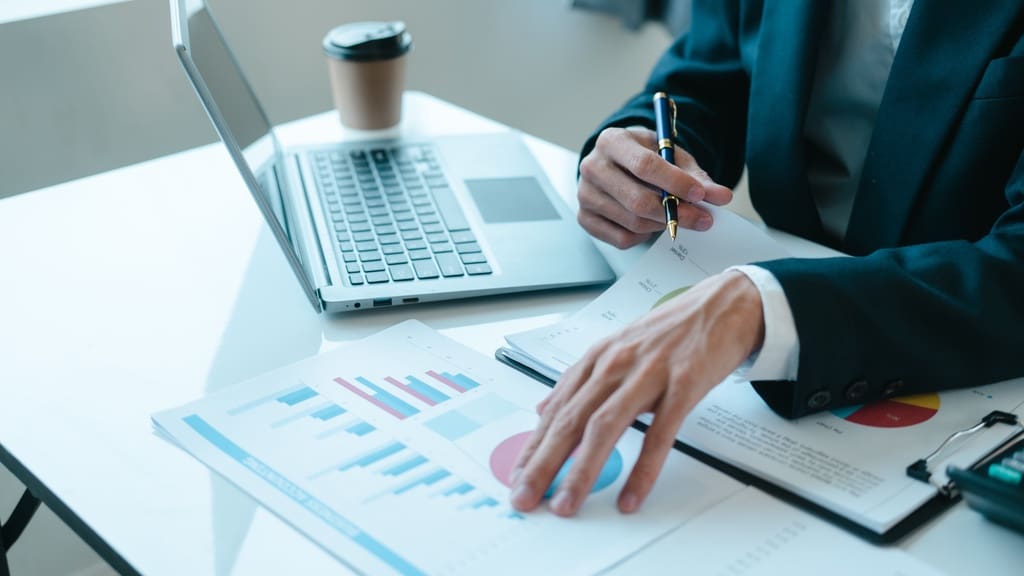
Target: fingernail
<point x="696" y="194"/>
<point x="704" y="222"/>
<point x="514" y="475"/>
<point x="563" y="503"/>
<point x="522" y="495"/>
<point x="629" y="502"/>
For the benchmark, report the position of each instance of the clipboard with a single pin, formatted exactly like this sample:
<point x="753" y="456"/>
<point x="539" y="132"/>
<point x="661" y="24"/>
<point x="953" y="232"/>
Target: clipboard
<point x="947" y="493"/>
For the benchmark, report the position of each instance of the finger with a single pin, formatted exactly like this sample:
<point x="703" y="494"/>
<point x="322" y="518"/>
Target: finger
<point x="560" y="437"/>
<point x="706" y="189"/>
<point x="658" y="440"/>
<point x="645" y="136"/>
<point x="553" y="449"/>
<point x="717" y="194"/>
<point x="644" y="163"/>
<point x="573" y="378"/>
<point x="608" y="231"/>
<point x="693" y="217"/>
<point x="546" y="403"/>
<point x="602" y="432"/>
<point x="566" y="387"/>
<point x="624" y="200"/>
<point x="542" y="404"/>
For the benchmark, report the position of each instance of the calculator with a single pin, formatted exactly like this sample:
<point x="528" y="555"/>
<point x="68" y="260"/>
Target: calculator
<point x="995" y="486"/>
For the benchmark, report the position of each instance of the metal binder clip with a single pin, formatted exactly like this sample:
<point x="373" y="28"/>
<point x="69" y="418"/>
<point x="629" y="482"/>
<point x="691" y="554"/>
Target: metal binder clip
<point x="919" y="470"/>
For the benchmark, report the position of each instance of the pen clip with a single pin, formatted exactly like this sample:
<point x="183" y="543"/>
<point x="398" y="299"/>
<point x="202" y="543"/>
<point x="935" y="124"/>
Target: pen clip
<point x="672" y="104"/>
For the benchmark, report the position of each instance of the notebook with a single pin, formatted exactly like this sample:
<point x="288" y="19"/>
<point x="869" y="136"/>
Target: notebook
<point x="830" y="462"/>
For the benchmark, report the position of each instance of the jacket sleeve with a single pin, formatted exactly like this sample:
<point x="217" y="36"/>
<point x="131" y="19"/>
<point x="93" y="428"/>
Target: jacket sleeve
<point x="907" y="320"/>
<point x="703" y="72"/>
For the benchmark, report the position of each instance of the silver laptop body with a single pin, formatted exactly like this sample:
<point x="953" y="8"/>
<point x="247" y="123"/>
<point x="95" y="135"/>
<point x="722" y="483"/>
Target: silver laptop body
<point x="451" y="217"/>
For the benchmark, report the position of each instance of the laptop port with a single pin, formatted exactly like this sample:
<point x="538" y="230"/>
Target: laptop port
<point x="410" y="300"/>
<point x="378" y="302"/>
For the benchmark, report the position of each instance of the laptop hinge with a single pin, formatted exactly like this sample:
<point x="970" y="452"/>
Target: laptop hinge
<point x="304" y="237"/>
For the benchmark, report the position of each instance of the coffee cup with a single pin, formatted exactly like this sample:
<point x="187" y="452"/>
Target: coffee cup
<point x="366" y="64"/>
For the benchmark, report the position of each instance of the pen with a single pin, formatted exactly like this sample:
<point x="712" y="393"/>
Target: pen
<point x="665" y="119"/>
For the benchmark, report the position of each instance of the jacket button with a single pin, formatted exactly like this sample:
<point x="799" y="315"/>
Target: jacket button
<point x="856" y="390"/>
<point x="892" y="388"/>
<point x="819" y="399"/>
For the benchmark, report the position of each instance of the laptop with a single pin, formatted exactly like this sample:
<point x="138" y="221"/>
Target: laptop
<point x="383" y="223"/>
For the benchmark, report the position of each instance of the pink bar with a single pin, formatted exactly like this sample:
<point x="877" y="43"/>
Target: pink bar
<point x="445" y="381"/>
<point x="352" y="388"/>
<point x="406" y="388"/>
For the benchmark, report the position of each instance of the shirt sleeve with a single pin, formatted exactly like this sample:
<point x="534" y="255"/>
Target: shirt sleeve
<point x="778" y="357"/>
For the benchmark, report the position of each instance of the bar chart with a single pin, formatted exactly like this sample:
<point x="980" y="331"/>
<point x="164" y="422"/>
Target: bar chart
<point x="303" y="410"/>
<point x="394" y="469"/>
<point x="393" y="465"/>
<point x="410" y="395"/>
<point x="289" y="397"/>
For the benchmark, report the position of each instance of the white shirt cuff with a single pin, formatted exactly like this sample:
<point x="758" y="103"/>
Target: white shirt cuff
<point x="779" y="356"/>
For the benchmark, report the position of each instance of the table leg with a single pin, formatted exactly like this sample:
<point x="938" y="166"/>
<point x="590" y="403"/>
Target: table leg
<point x="15" y="525"/>
<point x="5" y="570"/>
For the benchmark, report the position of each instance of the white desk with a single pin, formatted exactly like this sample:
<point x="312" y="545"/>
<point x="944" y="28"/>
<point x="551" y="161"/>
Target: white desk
<point x="140" y="289"/>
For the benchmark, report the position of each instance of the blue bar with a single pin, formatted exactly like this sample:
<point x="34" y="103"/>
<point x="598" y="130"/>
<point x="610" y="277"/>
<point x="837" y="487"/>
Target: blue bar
<point x="262" y="400"/>
<point x="516" y="516"/>
<point x="488" y="501"/>
<point x="462" y="380"/>
<point x="436" y="476"/>
<point x="425" y="480"/>
<point x="388" y="398"/>
<point x="375" y="456"/>
<point x="460" y="489"/>
<point x="329" y="412"/>
<point x="426" y="389"/>
<point x="360" y="429"/>
<point x="299" y="415"/>
<point x="300" y="395"/>
<point x="452" y="425"/>
<point x="322" y="511"/>
<point x="403" y="467"/>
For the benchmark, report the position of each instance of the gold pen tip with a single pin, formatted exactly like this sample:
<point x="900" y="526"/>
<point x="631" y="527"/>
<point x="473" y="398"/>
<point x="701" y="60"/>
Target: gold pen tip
<point x="672" y="229"/>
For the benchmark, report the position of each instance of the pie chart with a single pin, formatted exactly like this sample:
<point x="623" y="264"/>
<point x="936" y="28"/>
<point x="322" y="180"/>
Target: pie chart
<point x="503" y="458"/>
<point x="670" y="295"/>
<point x="894" y="413"/>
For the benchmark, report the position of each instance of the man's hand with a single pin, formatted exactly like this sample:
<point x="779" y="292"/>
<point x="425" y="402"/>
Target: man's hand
<point x="664" y="363"/>
<point x="620" y="184"/>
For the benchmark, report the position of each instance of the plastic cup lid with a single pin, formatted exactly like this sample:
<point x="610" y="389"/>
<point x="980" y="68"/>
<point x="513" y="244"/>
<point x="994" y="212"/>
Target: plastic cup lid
<point x="363" y="41"/>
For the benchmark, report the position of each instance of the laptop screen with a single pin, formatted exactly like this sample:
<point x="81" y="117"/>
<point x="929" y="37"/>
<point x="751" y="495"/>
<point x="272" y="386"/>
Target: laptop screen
<point x="235" y="100"/>
<point x="240" y="122"/>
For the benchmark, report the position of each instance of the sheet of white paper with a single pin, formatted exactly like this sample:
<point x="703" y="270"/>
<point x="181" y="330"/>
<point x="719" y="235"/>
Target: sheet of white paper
<point x="753" y="534"/>
<point x="852" y="460"/>
<point x="392" y="454"/>
<point x="668" y="269"/>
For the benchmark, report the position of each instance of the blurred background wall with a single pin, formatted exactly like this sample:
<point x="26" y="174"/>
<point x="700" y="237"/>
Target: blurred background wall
<point x="86" y="91"/>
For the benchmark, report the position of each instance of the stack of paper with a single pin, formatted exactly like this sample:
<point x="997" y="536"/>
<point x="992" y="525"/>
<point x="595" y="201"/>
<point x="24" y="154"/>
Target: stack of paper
<point x="850" y="461"/>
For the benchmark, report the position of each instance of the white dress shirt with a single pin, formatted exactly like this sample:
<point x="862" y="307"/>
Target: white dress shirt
<point x="853" y="66"/>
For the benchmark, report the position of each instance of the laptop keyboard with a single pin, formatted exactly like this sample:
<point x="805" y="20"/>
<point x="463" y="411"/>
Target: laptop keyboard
<point x="394" y="217"/>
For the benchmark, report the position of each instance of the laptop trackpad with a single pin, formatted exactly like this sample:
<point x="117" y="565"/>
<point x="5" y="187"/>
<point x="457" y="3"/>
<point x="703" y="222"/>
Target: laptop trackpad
<point x="503" y="200"/>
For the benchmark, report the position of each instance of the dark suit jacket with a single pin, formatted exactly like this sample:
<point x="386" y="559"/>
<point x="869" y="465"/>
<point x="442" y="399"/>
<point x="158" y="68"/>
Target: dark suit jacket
<point x="935" y="297"/>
